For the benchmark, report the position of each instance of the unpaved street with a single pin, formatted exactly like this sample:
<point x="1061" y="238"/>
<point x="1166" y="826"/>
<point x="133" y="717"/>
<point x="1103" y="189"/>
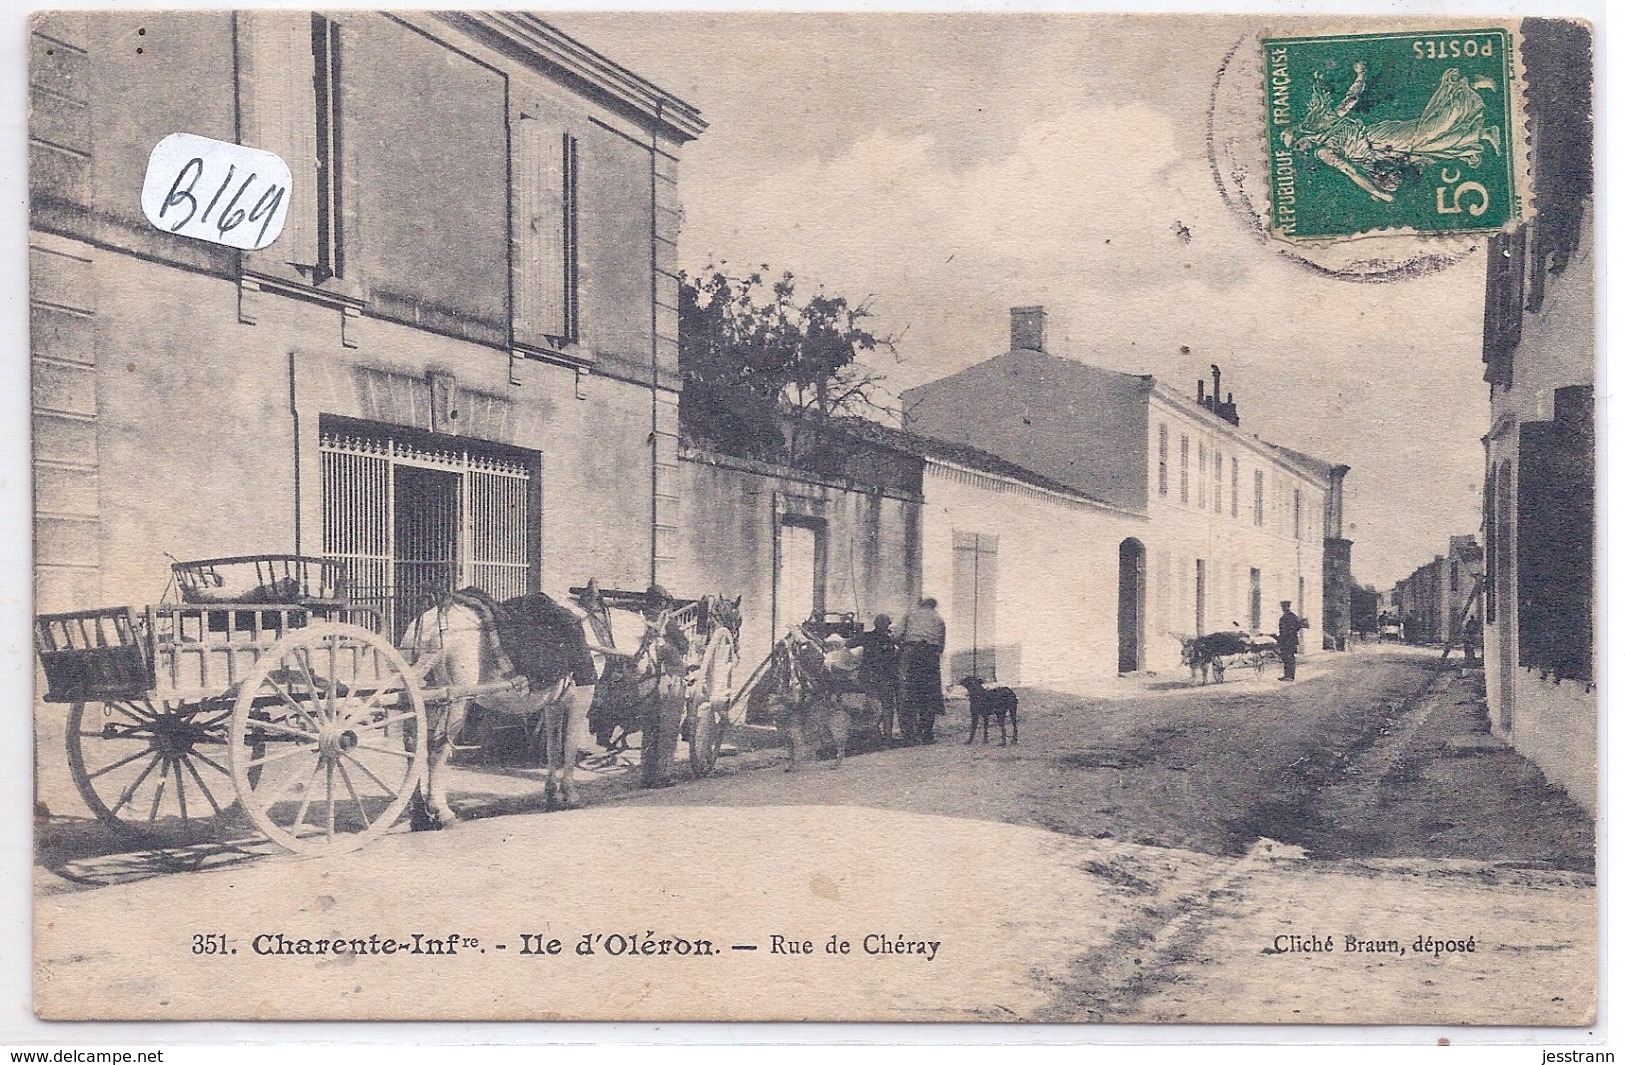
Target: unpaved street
<point x="1147" y="854"/>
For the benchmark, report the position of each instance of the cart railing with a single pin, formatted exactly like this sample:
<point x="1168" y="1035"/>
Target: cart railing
<point x="261" y="579"/>
<point x="204" y="650"/>
<point x="93" y="654"/>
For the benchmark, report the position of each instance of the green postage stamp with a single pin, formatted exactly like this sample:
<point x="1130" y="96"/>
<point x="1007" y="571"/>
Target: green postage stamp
<point x="1409" y="132"/>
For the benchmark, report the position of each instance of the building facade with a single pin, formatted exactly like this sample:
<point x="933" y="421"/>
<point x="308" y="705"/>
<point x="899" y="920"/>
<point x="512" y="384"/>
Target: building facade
<point x="1436" y="600"/>
<point x="1540" y="452"/>
<point x="1195" y="525"/>
<point x="456" y="365"/>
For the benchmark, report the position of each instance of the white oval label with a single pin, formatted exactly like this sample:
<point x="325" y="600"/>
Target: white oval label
<point x="216" y="191"/>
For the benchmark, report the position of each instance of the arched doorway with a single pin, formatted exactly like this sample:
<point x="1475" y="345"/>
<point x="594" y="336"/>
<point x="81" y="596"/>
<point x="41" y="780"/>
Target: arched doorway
<point x="1130" y="606"/>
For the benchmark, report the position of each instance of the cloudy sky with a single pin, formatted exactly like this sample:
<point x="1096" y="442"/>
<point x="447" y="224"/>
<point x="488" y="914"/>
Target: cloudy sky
<point x="949" y="167"/>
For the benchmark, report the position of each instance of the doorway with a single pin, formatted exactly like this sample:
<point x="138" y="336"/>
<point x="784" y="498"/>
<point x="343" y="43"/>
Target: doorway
<point x="1130" y="606"/>
<point x="798" y="586"/>
<point x="1506" y="608"/>
<point x="412" y="515"/>
<point x="428" y="514"/>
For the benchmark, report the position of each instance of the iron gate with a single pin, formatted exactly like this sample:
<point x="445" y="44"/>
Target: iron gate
<point x="413" y="520"/>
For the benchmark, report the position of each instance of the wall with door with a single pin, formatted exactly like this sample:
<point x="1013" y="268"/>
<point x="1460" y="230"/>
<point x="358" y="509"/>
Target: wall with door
<point x="791" y="542"/>
<point x="1027" y="579"/>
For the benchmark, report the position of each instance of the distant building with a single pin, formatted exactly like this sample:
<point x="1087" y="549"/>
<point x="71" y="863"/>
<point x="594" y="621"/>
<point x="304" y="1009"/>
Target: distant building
<point x="1192" y="524"/>
<point x="1539" y="455"/>
<point x="1436" y="600"/>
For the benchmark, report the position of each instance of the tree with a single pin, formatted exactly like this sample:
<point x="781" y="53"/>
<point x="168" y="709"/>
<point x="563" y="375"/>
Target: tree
<point x="763" y="372"/>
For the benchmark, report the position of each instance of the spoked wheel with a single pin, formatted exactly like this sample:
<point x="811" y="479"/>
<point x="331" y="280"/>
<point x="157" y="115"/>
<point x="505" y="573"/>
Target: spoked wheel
<point x="326" y="747"/>
<point x="708" y="703"/>
<point x="157" y="772"/>
<point x="705" y="740"/>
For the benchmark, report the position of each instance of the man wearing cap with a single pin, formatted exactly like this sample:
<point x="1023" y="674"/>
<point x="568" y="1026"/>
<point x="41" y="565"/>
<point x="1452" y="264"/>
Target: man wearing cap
<point x="920" y="640"/>
<point x="1286" y="640"/>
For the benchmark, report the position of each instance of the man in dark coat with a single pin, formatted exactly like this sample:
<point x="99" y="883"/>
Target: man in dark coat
<point x="1472" y="636"/>
<point x="1286" y="640"/>
<point x="879" y="669"/>
<point x="921" y="640"/>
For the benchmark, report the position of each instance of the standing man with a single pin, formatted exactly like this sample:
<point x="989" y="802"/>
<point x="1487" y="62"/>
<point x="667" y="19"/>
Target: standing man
<point x="1286" y="640"/>
<point x="1472" y="636"/>
<point x="921" y="639"/>
<point x="879" y="669"/>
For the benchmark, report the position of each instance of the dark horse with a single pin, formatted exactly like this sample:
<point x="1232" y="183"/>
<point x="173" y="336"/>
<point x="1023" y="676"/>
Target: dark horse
<point x="1213" y="652"/>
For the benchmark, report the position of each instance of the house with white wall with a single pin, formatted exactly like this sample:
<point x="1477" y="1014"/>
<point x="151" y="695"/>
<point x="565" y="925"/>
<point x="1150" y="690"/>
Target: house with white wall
<point x="1186" y="523"/>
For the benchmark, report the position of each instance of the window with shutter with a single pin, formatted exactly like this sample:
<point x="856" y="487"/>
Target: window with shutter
<point x="540" y="226"/>
<point x="277" y="96"/>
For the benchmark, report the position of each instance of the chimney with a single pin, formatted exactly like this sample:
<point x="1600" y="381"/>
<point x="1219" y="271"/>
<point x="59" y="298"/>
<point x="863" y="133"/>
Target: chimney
<point x="1027" y="328"/>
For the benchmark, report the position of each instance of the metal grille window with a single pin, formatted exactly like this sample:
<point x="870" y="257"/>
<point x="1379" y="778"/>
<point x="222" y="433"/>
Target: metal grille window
<point x="415" y="520"/>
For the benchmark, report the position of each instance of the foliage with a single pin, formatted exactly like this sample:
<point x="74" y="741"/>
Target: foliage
<point x="764" y="371"/>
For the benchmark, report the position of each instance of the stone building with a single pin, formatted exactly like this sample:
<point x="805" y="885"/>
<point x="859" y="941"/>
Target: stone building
<point x="1193" y="525"/>
<point x="1436" y="600"/>
<point x="456" y="365"/>
<point x="1540" y="452"/>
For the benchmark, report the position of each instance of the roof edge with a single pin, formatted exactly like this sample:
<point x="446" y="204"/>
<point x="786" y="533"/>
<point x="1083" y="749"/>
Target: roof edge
<point x="530" y="38"/>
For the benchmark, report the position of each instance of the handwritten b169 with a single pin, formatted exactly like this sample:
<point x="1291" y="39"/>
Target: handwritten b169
<point x="216" y="191"/>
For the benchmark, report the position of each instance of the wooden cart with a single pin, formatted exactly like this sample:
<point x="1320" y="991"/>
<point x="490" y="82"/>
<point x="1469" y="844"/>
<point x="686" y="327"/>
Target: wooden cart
<point x="261" y="691"/>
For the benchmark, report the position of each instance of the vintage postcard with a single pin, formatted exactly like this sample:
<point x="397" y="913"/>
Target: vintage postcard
<point x="1065" y="517"/>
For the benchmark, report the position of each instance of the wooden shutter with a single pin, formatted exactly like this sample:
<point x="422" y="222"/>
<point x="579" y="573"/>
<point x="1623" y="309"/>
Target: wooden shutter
<point x="277" y="94"/>
<point x="973" y="625"/>
<point x="538" y="237"/>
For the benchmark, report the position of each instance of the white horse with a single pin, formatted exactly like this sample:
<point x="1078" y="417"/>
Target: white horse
<point x="465" y="654"/>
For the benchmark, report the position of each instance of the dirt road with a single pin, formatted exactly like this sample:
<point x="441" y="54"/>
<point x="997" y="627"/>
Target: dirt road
<point x="1158" y="853"/>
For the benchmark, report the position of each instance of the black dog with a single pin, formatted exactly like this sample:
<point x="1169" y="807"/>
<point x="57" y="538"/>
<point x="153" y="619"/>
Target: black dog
<point x="988" y="703"/>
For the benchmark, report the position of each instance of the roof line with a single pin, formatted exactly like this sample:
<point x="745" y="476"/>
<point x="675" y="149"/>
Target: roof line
<point x="1068" y="495"/>
<point x="540" y="42"/>
<point x="1166" y="391"/>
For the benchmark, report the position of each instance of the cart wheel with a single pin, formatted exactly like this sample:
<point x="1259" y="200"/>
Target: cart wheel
<point x="708" y="705"/>
<point x="324" y="734"/>
<point x="705" y="740"/>
<point x="155" y="771"/>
